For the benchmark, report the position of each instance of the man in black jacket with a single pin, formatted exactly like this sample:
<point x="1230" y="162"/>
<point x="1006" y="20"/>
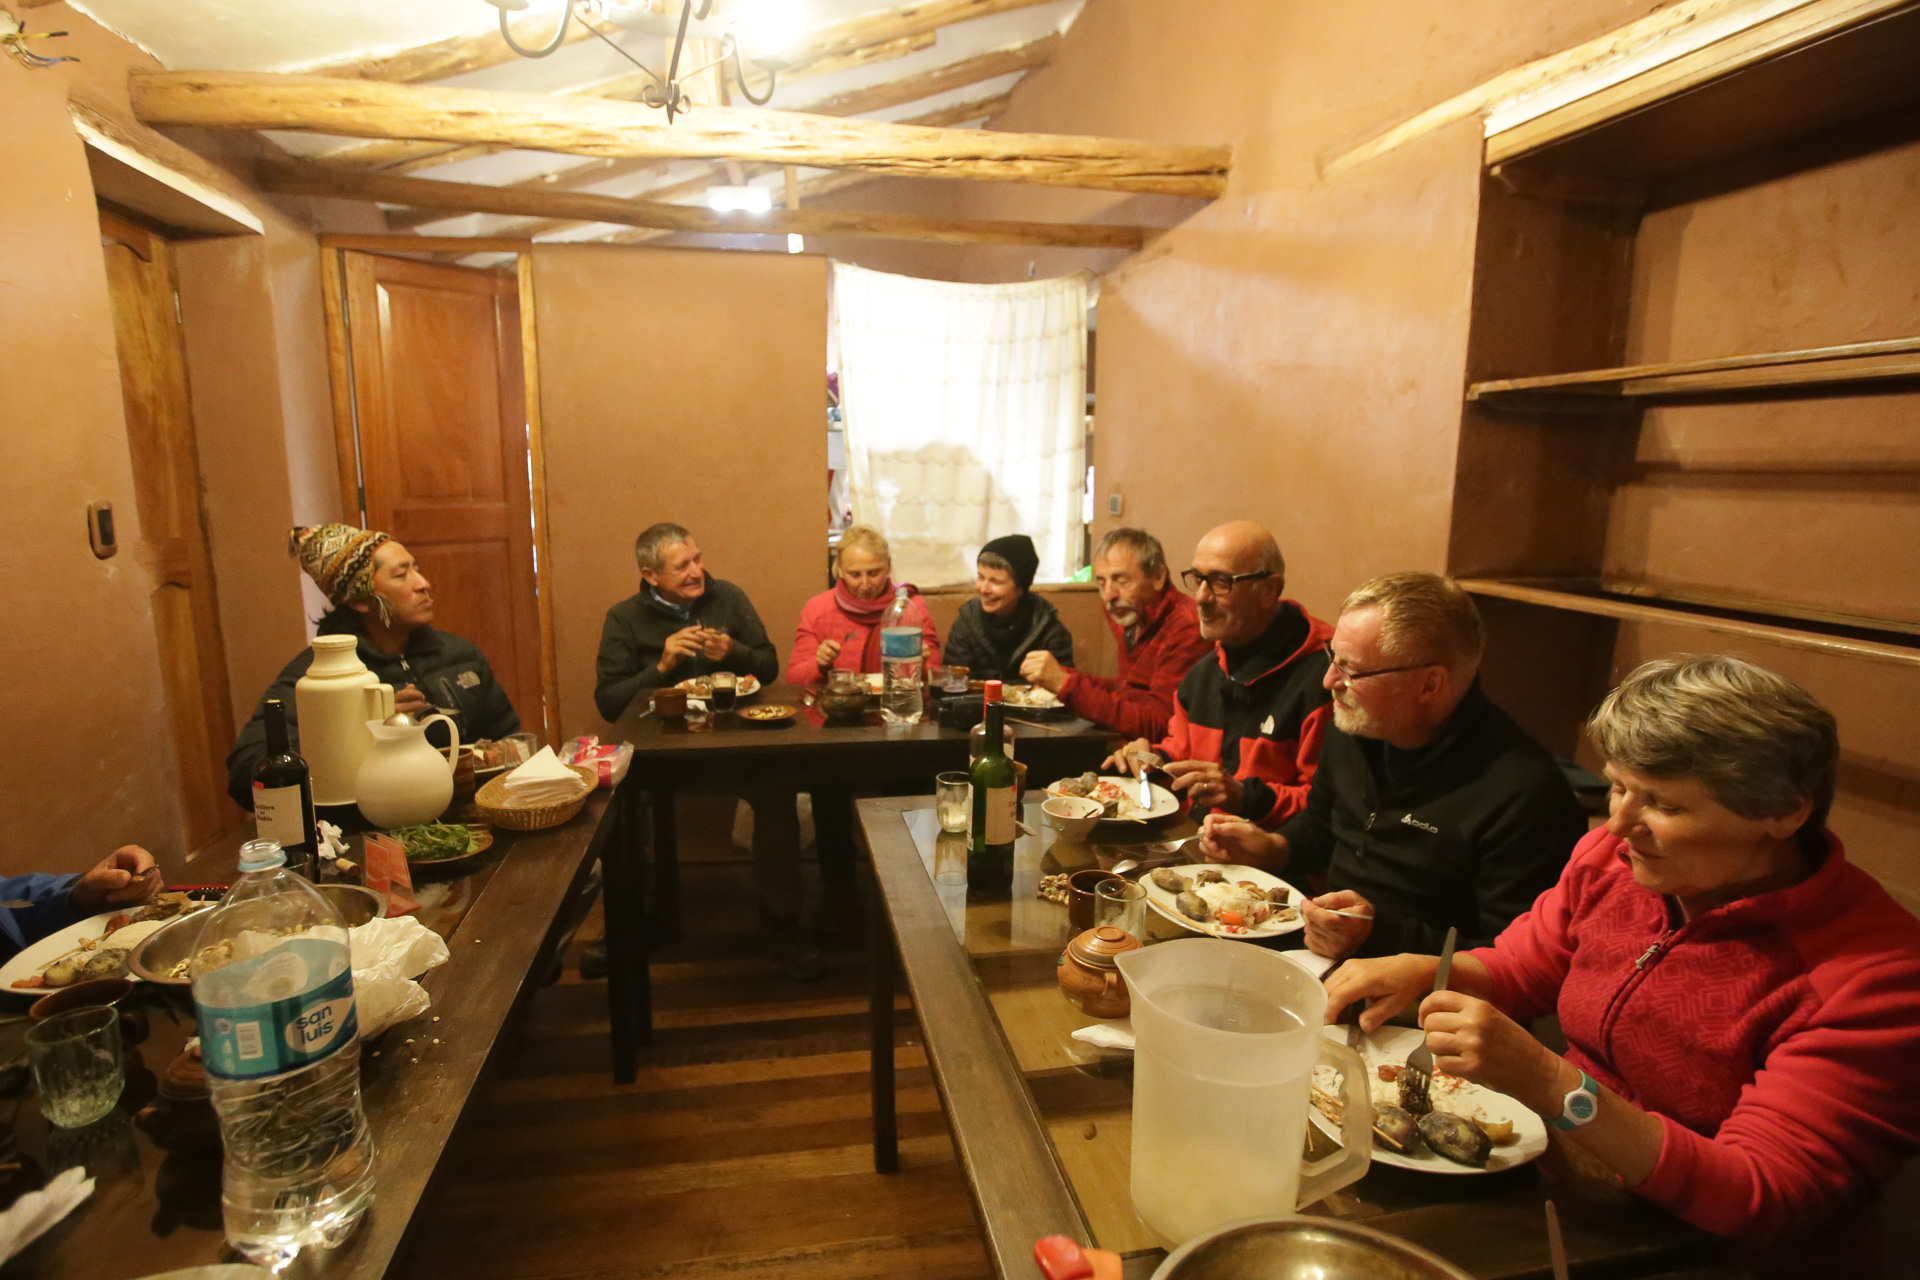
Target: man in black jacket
<point x="1431" y="808"/>
<point x="683" y="623"/>
<point x="380" y="596"/>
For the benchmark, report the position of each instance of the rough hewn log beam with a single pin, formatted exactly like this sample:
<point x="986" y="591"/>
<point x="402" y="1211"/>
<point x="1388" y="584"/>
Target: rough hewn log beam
<point x="466" y="197"/>
<point x="818" y="185"/>
<point x="587" y="126"/>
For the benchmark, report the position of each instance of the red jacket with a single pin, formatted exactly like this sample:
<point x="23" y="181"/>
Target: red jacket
<point x="1140" y="702"/>
<point x="1260" y="713"/>
<point x="822" y="618"/>
<point x="1777" y="1038"/>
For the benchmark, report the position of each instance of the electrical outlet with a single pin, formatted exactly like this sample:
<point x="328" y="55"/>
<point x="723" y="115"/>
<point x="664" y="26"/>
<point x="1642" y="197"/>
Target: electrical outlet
<point x="1114" y="503"/>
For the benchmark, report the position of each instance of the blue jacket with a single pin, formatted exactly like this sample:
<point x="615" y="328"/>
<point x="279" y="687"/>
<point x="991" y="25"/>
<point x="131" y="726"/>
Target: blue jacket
<point x="52" y="910"/>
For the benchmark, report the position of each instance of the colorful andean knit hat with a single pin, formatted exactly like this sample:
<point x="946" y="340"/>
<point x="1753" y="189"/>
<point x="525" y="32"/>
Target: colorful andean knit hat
<point x="339" y="559"/>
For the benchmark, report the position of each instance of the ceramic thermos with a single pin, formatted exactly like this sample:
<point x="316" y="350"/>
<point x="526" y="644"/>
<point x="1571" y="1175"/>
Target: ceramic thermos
<point x="405" y="779"/>
<point x="335" y="699"/>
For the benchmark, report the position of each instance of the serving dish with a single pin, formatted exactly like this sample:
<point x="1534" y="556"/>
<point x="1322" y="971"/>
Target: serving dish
<point x="1166" y="901"/>
<point x="773" y="715"/>
<point x="702" y="686"/>
<point x="155" y="959"/>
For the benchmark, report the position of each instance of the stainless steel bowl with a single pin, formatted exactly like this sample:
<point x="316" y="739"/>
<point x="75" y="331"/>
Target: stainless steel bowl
<point x="1302" y="1248"/>
<point x="166" y="947"/>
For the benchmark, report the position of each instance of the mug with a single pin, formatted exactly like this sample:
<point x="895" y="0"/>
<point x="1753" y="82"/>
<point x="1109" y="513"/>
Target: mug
<point x="669" y="703"/>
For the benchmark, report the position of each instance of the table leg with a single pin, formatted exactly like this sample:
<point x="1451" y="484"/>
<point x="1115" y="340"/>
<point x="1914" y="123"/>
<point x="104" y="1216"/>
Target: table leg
<point x="886" y="1130"/>
<point x="629" y="983"/>
<point x="666" y="866"/>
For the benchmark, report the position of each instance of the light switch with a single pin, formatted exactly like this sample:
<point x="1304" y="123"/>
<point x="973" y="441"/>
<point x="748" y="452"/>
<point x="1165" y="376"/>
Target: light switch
<point x="100" y="533"/>
<point x="1114" y="503"/>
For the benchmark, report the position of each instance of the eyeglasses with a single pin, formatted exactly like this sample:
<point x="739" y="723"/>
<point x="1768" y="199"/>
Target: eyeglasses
<point x="1349" y="675"/>
<point x="1220" y="583"/>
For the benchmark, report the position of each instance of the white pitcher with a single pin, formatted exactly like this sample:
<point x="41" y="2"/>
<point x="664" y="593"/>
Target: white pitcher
<point x="1226" y="1036"/>
<point x="405" y="779"/>
<point x="334" y="701"/>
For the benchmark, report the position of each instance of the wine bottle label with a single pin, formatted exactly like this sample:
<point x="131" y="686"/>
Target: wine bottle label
<point x="279" y="816"/>
<point x="1000" y="815"/>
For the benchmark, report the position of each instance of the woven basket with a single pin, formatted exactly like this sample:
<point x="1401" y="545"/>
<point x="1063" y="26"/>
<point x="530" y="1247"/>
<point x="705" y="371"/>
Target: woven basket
<point x="497" y="807"/>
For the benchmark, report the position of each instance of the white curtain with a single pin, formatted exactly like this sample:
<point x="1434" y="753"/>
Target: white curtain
<point x="965" y="408"/>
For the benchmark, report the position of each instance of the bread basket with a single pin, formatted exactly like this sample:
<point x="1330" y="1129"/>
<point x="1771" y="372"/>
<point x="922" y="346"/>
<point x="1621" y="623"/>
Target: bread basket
<point x="499" y="808"/>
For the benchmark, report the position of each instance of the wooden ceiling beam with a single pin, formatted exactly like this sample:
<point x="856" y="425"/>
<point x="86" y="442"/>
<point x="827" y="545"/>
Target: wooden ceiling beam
<point x="818" y="185"/>
<point x="590" y="126"/>
<point x="466" y="197"/>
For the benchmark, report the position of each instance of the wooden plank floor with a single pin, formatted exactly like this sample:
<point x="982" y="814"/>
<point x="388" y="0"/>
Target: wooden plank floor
<point x="743" y="1150"/>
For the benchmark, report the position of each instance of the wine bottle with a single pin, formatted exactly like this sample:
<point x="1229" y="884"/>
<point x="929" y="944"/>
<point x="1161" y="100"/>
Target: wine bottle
<point x="995" y="804"/>
<point x="283" y="797"/>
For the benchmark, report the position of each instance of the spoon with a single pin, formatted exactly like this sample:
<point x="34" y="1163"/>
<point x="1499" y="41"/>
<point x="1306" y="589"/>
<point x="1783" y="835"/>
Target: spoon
<point x="1161" y="848"/>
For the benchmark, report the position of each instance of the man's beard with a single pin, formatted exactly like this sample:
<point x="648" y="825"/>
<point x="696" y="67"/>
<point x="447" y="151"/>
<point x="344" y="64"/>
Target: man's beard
<point x="1126" y="617"/>
<point x="1353" y="721"/>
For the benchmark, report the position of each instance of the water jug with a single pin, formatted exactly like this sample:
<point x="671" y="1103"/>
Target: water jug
<point x="334" y="701"/>
<point x="405" y="779"/>
<point x="1226" y="1036"/>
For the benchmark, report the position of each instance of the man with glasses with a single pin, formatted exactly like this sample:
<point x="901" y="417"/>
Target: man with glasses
<point x="1431" y="808"/>
<point x="1247" y="720"/>
<point x="1156" y="628"/>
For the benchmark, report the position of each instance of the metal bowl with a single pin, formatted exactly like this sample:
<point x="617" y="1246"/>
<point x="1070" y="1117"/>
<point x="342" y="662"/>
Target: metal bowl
<point x="164" y="948"/>
<point x="1302" y="1248"/>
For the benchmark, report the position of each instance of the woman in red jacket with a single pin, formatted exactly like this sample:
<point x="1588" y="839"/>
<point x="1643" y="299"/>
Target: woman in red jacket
<point x="840" y="628"/>
<point x="1741" y="1004"/>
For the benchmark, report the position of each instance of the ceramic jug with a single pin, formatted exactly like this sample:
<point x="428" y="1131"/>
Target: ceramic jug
<point x="1226" y="1037"/>
<point x="405" y="779"/>
<point x="334" y="701"/>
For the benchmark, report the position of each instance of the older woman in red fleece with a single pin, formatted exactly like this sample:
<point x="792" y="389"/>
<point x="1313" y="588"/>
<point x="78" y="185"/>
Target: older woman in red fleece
<point x="1741" y="1003"/>
<point x="840" y="628"/>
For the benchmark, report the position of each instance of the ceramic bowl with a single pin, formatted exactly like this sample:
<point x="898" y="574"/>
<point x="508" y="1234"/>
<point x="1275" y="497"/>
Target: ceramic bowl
<point x="1072" y="816"/>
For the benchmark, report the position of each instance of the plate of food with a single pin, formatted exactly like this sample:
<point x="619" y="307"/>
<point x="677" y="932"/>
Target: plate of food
<point x="97" y="947"/>
<point x="702" y="686"/>
<point x="1471" y="1129"/>
<point x="1031" y="697"/>
<point x="770" y="716"/>
<point x="1224" y="900"/>
<point x="443" y="846"/>
<point x="1119" y="798"/>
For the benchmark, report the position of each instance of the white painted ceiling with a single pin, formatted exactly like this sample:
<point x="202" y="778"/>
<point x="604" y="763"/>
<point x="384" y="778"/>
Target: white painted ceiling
<point x="292" y="35"/>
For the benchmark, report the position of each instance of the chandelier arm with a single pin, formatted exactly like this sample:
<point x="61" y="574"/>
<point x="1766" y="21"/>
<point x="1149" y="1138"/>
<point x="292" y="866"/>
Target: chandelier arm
<point x="740" y="74"/>
<point x="559" y="35"/>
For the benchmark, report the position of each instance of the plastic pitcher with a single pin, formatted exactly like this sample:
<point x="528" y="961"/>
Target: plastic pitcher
<point x="1226" y="1036"/>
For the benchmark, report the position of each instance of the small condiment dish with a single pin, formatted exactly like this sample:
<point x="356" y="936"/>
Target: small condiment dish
<point x="1072" y="816"/>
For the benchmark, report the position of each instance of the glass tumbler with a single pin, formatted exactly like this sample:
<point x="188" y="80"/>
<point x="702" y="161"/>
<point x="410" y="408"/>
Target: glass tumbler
<point x="77" y="1065"/>
<point x="954" y="796"/>
<point x="1122" y="904"/>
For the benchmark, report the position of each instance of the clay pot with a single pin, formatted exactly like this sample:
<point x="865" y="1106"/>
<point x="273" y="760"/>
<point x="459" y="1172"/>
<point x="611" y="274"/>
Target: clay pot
<point x="1088" y="976"/>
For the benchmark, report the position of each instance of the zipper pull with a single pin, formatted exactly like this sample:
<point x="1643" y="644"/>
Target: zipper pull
<point x="1370" y="818"/>
<point x="1649" y="953"/>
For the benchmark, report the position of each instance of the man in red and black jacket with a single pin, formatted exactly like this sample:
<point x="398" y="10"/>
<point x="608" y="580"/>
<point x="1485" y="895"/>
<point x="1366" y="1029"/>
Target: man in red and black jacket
<point x="1158" y="633"/>
<point x="1248" y="719"/>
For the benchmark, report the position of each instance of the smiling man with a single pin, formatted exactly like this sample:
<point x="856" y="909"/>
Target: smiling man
<point x="1431" y="808"/>
<point x="1156" y="628"/>
<point x="379" y="595"/>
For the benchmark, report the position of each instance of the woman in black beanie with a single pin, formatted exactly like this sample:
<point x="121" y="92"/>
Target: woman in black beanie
<point x="1005" y="621"/>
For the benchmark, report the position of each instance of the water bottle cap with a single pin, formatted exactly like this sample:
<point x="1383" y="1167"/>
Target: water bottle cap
<point x="262" y="855"/>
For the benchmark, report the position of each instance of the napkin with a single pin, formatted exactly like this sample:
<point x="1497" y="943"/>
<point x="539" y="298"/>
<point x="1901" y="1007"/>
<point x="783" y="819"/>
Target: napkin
<point x="34" y="1212"/>
<point x="1117" y="1034"/>
<point x="1313" y="964"/>
<point x="542" y="780"/>
<point x="387" y="956"/>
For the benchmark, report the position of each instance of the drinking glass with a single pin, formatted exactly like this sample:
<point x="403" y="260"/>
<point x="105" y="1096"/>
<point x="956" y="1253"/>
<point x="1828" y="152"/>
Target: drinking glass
<point x="955" y="800"/>
<point x="521" y="747"/>
<point x="1122" y="904"/>
<point x="950" y="851"/>
<point x="725" y="688"/>
<point x="77" y="1065"/>
<point x="699" y="718"/>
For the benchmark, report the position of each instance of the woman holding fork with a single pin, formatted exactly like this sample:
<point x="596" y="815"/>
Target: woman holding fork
<point x="1741" y="1004"/>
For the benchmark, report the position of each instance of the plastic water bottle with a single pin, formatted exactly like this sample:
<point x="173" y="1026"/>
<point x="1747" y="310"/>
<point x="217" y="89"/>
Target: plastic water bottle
<point x="901" y="661"/>
<point x="274" y="984"/>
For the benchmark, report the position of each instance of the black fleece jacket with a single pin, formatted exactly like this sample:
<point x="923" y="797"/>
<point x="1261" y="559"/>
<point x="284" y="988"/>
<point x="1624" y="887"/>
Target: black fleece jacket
<point x="636" y="632"/>
<point x="451" y="672"/>
<point x="969" y="646"/>
<point x="1468" y="832"/>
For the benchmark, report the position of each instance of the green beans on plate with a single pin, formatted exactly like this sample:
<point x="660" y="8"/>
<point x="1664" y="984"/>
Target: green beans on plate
<point x="437" y="841"/>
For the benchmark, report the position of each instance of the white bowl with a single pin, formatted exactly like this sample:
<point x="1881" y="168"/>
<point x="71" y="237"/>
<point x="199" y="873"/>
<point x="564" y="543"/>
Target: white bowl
<point x="1072" y="816"/>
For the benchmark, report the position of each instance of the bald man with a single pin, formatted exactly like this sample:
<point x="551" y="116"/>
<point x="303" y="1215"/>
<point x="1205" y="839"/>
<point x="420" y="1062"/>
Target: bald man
<point x="1248" y="720"/>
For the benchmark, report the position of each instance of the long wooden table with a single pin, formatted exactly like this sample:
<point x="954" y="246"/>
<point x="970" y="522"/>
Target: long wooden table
<point x="1042" y="1123"/>
<point x="152" y="1211"/>
<point x="812" y="754"/>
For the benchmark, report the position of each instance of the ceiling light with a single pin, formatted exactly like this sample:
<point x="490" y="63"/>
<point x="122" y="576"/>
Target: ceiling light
<point x="767" y="31"/>
<point x="739" y="199"/>
<point x="796" y="243"/>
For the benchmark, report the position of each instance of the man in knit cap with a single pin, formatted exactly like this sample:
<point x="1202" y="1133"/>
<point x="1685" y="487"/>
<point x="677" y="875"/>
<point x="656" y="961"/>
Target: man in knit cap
<point x="378" y="594"/>
<point x="1005" y="621"/>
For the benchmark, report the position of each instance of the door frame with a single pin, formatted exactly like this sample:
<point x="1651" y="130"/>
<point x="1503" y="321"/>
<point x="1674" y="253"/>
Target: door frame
<point x="346" y="429"/>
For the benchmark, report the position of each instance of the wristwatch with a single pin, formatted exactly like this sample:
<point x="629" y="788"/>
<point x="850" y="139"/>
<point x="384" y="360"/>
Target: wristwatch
<point x="1579" y="1106"/>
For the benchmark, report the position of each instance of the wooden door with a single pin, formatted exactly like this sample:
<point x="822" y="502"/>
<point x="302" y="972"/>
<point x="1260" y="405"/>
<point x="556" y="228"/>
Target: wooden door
<point x="440" y="412"/>
<point x="166" y="479"/>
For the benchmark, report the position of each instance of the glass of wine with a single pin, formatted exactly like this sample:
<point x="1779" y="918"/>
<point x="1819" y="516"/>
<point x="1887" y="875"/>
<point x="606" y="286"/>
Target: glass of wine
<point x="726" y="689"/>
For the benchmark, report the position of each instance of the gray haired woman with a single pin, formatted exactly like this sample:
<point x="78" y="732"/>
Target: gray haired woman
<point x="1741" y="1003"/>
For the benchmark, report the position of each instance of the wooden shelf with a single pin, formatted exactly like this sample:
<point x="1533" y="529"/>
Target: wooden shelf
<point x="1747" y="624"/>
<point x="1827" y="63"/>
<point x="1619" y="389"/>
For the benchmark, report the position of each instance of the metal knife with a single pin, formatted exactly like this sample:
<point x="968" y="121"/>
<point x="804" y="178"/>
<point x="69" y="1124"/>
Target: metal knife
<point x="1146" y="789"/>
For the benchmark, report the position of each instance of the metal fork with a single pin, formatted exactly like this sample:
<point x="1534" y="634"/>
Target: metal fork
<point x="1417" y="1075"/>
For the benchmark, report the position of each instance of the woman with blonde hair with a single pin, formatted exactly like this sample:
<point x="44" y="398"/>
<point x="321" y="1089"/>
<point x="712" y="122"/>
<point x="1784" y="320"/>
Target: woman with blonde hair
<point x="1741" y="1003"/>
<point x="840" y="628"/>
